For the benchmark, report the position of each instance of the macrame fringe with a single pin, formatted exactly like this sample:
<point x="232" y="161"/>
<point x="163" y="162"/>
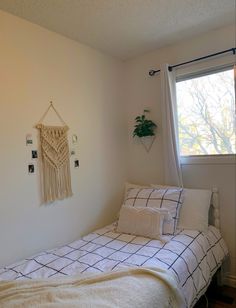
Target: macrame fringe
<point x="55" y="163"/>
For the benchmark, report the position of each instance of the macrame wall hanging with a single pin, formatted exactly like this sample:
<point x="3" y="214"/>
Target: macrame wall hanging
<point x="55" y="167"/>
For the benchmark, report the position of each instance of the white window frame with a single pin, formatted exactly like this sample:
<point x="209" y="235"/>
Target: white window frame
<point x="202" y="69"/>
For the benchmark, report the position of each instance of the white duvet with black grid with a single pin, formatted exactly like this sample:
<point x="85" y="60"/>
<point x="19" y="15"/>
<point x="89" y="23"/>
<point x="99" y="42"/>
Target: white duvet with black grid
<point x="191" y="255"/>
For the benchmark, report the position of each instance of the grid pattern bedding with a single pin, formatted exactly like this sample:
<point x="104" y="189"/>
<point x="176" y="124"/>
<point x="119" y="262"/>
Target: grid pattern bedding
<point x="191" y="255"/>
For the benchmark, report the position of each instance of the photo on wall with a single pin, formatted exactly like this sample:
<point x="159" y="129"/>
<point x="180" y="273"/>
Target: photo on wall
<point x="29" y="139"/>
<point x="74" y="138"/>
<point x="31" y="168"/>
<point x="76" y="163"/>
<point x="34" y="154"/>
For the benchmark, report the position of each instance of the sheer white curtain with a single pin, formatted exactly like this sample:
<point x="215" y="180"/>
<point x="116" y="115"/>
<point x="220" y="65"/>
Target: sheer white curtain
<point x="172" y="167"/>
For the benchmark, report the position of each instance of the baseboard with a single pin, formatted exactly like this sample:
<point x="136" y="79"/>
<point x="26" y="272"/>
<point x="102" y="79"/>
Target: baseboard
<point x="230" y="281"/>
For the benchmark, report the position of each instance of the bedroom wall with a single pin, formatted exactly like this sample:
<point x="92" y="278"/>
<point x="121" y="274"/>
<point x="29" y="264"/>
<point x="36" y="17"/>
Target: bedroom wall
<point x="37" y="66"/>
<point x="142" y="92"/>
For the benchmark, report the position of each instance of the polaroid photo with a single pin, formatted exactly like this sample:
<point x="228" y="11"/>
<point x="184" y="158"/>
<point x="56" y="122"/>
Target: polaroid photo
<point x="29" y="139"/>
<point x="34" y="154"/>
<point x="31" y="169"/>
<point x="74" y="139"/>
<point x="72" y="152"/>
<point x="76" y="163"/>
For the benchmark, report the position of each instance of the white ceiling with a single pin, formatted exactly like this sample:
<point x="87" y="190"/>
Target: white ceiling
<point x="125" y="28"/>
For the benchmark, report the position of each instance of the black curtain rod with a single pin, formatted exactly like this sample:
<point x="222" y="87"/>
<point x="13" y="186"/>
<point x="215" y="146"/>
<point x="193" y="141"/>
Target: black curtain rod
<point x="233" y="50"/>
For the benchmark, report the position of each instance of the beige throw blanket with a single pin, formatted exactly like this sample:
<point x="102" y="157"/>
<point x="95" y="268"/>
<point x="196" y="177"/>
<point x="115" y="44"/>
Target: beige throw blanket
<point x="136" y="287"/>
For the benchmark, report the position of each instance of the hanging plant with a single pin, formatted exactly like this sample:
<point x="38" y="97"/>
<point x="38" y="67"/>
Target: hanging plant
<point x="143" y="126"/>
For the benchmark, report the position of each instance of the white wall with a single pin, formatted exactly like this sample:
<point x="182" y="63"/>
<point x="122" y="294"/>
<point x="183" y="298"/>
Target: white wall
<point x="36" y="66"/>
<point x="143" y="91"/>
<point x="86" y="86"/>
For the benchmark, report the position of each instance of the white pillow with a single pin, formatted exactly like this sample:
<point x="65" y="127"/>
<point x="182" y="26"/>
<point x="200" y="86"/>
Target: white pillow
<point x="127" y="187"/>
<point x="165" y="198"/>
<point x="195" y="209"/>
<point x="131" y="185"/>
<point x="141" y="221"/>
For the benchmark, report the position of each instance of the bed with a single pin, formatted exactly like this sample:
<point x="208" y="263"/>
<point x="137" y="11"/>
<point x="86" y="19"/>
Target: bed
<point x="191" y="256"/>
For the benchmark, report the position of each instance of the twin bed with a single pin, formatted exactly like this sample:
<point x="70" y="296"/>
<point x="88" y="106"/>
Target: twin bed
<point x="192" y="257"/>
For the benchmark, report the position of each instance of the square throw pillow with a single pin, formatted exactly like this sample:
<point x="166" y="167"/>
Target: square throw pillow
<point x="141" y="221"/>
<point x="169" y="199"/>
<point x="129" y="186"/>
<point x="195" y="209"/>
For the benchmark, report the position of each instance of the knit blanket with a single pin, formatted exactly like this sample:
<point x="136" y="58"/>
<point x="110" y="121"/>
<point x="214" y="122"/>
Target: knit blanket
<point x="134" y="287"/>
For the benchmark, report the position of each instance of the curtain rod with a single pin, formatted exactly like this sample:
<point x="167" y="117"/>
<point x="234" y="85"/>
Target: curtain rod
<point x="233" y="50"/>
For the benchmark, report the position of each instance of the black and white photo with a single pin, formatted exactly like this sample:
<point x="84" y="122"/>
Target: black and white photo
<point x="31" y="168"/>
<point x="76" y="163"/>
<point x="34" y="154"/>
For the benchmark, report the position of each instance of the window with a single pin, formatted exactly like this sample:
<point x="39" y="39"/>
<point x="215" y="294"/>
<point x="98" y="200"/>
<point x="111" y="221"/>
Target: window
<point x="206" y="113"/>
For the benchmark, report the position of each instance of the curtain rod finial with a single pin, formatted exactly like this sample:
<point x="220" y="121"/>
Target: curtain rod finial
<point x="152" y="73"/>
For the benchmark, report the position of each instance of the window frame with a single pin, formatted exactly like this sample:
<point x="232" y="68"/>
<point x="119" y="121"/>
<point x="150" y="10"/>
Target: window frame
<point x="211" y="158"/>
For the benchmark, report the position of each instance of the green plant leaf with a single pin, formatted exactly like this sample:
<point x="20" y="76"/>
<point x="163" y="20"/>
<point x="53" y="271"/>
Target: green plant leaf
<point x="144" y="127"/>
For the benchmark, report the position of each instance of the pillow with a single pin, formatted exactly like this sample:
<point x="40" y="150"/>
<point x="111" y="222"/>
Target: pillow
<point x="141" y="221"/>
<point x="129" y="186"/>
<point x="195" y="209"/>
<point x="166" y="198"/>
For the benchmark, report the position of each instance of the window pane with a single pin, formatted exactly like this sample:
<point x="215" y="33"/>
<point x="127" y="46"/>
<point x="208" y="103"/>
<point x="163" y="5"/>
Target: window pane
<point x="206" y="114"/>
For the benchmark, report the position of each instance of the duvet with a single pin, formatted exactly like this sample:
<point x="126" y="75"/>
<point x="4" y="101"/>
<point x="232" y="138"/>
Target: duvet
<point x="192" y="257"/>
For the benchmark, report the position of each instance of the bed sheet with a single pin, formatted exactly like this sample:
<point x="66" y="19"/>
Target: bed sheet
<point x="191" y="255"/>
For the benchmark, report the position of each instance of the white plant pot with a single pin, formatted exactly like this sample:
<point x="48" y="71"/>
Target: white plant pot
<point x="147" y="142"/>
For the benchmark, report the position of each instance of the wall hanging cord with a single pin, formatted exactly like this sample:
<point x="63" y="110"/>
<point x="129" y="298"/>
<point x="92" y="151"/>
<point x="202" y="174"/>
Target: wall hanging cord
<point x="57" y="113"/>
<point x="233" y="50"/>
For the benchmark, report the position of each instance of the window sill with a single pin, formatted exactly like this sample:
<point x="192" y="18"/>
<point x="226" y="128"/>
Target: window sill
<point x="229" y="159"/>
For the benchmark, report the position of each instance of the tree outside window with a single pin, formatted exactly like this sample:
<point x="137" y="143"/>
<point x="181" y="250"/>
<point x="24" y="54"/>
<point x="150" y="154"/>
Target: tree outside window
<point x="206" y="114"/>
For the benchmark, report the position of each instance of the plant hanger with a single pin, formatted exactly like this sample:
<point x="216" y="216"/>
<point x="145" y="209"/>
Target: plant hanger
<point x="147" y="143"/>
<point x="57" y="113"/>
<point x="145" y="130"/>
